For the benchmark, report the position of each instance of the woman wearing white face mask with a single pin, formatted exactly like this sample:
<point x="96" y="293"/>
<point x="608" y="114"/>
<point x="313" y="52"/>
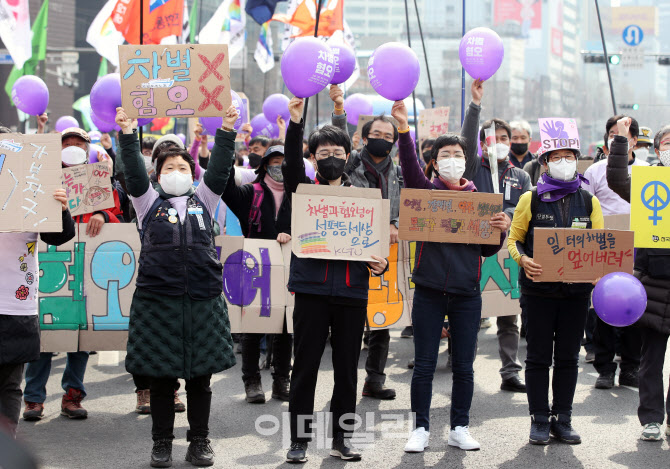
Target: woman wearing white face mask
<point x="556" y="311"/>
<point x="179" y="326"/>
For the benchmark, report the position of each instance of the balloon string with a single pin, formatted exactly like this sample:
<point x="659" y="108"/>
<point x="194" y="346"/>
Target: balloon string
<point x="316" y="34"/>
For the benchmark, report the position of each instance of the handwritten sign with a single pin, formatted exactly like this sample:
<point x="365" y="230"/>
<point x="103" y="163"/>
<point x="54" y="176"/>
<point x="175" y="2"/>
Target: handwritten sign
<point x="557" y="133"/>
<point x="448" y="216"/>
<point x="342" y="223"/>
<point x="30" y="172"/>
<point x="433" y="123"/>
<point x="362" y="120"/>
<point x="184" y="80"/>
<point x="650" y="206"/>
<point x="576" y="255"/>
<point x="89" y="188"/>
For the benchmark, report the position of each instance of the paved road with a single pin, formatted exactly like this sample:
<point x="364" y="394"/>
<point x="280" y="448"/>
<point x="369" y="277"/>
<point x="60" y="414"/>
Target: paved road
<point x="115" y="437"/>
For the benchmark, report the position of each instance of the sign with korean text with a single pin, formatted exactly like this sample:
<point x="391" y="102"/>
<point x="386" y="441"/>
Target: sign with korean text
<point x="433" y="123"/>
<point x="341" y="223"/>
<point x="581" y="256"/>
<point x="89" y="188"/>
<point x="185" y="80"/>
<point x="448" y="216"/>
<point x="557" y="133"/>
<point x="650" y="206"/>
<point x="30" y="172"/>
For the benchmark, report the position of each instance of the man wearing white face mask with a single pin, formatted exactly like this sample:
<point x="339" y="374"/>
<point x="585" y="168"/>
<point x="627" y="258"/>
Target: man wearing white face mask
<point x="644" y="150"/>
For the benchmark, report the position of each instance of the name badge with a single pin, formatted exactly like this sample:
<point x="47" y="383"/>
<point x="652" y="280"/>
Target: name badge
<point x="195" y="211"/>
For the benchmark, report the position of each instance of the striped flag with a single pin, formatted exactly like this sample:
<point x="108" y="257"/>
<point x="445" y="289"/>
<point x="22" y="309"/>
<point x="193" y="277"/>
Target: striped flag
<point x="103" y="36"/>
<point x="227" y="26"/>
<point x="263" y="54"/>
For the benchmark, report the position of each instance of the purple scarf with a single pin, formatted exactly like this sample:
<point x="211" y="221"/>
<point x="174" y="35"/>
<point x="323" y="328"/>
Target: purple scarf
<point x="558" y="189"/>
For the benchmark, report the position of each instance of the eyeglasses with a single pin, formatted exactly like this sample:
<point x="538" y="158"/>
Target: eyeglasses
<point x="449" y="155"/>
<point x="325" y="153"/>
<point x="556" y="158"/>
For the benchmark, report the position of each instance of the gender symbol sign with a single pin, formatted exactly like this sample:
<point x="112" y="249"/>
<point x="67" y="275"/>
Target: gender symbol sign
<point x="557" y="133"/>
<point x="650" y="206"/>
<point x="185" y="80"/>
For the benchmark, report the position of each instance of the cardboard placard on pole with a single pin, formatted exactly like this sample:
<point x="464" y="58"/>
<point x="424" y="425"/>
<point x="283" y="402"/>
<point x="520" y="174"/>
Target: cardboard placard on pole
<point x="433" y="123"/>
<point x="581" y="256"/>
<point x="448" y="216"/>
<point x="341" y="223"/>
<point x="89" y="188"/>
<point x="30" y="173"/>
<point x="650" y="206"/>
<point x="183" y="80"/>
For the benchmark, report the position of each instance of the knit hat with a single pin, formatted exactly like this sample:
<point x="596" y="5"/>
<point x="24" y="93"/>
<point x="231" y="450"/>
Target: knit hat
<point x="172" y="138"/>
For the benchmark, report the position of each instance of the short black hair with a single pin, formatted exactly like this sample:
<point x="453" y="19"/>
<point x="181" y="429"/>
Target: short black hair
<point x="383" y="118"/>
<point x="160" y="159"/>
<point x="428" y="143"/>
<point x="276" y="141"/>
<point x="262" y="139"/>
<point x="611" y="122"/>
<point x="446" y="140"/>
<point x="148" y="143"/>
<point x="605" y="138"/>
<point x="329" y="135"/>
<point x="499" y="123"/>
<point x="659" y="136"/>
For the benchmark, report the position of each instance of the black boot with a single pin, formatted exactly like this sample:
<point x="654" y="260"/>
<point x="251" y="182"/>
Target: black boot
<point x="605" y="381"/>
<point x="297" y="453"/>
<point x="254" y="391"/>
<point x="561" y="429"/>
<point x="199" y="452"/>
<point x="161" y="454"/>
<point x="342" y="450"/>
<point x="280" y="388"/>
<point x="378" y="391"/>
<point x="539" y="430"/>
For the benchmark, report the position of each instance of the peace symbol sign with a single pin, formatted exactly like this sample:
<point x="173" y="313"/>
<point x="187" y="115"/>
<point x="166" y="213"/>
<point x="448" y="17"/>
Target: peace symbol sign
<point x="655" y="203"/>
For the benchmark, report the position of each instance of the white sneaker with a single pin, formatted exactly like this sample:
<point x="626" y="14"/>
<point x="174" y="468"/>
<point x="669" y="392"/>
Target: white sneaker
<point x="460" y="436"/>
<point x="418" y="441"/>
<point x="652" y="432"/>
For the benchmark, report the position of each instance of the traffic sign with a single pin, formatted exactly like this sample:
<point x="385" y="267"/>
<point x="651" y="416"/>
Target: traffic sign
<point x="632" y="58"/>
<point x="633" y="35"/>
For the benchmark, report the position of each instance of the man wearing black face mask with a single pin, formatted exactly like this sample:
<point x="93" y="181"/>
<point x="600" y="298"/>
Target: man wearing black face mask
<point x="520" y="154"/>
<point x="426" y="149"/>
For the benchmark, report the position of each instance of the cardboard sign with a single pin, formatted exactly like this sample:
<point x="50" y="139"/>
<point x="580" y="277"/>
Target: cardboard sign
<point x="433" y="123"/>
<point x="617" y="222"/>
<point x="183" y="80"/>
<point x="30" y="172"/>
<point x="557" y="133"/>
<point x="340" y="223"/>
<point x="362" y="120"/>
<point x="581" y="256"/>
<point x="448" y="216"/>
<point x="89" y="188"/>
<point x="650" y="206"/>
<point x="583" y="165"/>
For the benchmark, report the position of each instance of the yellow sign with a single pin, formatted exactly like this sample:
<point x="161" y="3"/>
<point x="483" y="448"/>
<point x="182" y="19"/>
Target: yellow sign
<point x="644" y="17"/>
<point x="650" y="206"/>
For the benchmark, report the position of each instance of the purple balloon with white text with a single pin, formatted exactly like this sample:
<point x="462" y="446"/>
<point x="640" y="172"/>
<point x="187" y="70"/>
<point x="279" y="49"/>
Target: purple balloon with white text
<point x="262" y="126"/>
<point x="394" y="70"/>
<point x="481" y="52"/>
<point x="307" y="66"/>
<point x="30" y="95"/>
<point x="241" y="110"/>
<point x="345" y="63"/>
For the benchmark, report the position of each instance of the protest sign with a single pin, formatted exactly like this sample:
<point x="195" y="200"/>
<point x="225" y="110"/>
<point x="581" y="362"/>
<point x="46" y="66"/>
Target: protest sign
<point x="557" y="133"/>
<point x="650" y="206"/>
<point x="30" y="173"/>
<point x="362" y="120"/>
<point x="183" y="80"/>
<point x="433" y="123"/>
<point x="583" y="165"/>
<point x="617" y="222"/>
<point x="341" y="223"/>
<point x="448" y="216"/>
<point x="581" y="256"/>
<point x="89" y="188"/>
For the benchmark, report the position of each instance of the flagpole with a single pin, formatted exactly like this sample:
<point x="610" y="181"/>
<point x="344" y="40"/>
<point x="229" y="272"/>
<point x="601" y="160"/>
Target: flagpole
<point x="425" y="56"/>
<point x="316" y="34"/>
<point x="607" y="62"/>
<point x="409" y="44"/>
<point x="463" y="72"/>
<point x="141" y="41"/>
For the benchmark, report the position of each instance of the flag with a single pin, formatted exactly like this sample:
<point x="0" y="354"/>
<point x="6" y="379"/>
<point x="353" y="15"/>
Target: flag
<point x="261" y="10"/>
<point x="304" y="17"/>
<point x="102" y="70"/>
<point x="193" y="23"/>
<point x="38" y="46"/>
<point x="162" y="18"/>
<point x="103" y="36"/>
<point x="83" y="105"/>
<point x="263" y="54"/>
<point x="227" y="26"/>
<point x="185" y="30"/>
<point x="15" y="30"/>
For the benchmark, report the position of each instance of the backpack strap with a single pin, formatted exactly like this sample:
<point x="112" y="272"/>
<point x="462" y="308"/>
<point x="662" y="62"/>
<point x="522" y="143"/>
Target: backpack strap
<point x="588" y="200"/>
<point x="255" y="209"/>
<point x="534" y="202"/>
<point x="157" y="203"/>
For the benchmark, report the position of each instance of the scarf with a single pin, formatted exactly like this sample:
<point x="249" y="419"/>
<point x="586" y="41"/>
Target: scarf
<point x="165" y="195"/>
<point x="463" y="185"/>
<point x="377" y="173"/>
<point x="556" y="189"/>
<point x="277" y="189"/>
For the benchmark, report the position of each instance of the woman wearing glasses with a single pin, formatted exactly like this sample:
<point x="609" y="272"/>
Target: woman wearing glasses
<point x="556" y="311"/>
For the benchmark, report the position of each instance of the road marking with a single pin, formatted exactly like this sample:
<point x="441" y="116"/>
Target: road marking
<point x="109" y="358"/>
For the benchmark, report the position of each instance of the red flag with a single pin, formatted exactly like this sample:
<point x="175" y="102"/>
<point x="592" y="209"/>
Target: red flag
<point x="162" y="18"/>
<point x="304" y="17"/>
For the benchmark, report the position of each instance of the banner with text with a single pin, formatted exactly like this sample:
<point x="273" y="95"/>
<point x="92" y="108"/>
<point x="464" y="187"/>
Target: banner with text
<point x="89" y="188"/>
<point x="433" y="123"/>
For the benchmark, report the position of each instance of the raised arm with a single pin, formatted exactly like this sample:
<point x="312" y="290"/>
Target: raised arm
<point x="339" y="116"/>
<point x="413" y="176"/>
<point x="618" y="178"/>
<point x="137" y="180"/>
<point x="294" y="165"/>
<point x="223" y="154"/>
<point x="470" y="130"/>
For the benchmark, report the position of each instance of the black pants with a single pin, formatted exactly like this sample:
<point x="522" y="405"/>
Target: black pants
<point x="282" y="348"/>
<point x="589" y="328"/>
<point x="198" y="400"/>
<point x="144" y="382"/>
<point x="652" y="408"/>
<point x="378" y="353"/>
<point x="313" y="316"/>
<point x="554" y="333"/>
<point x="604" y="345"/>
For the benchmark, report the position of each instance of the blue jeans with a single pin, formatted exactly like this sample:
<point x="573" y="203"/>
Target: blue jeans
<point x="37" y="375"/>
<point x="428" y="312"/>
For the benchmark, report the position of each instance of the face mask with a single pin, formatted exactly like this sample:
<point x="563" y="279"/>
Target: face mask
<point x="72" y="156"/>
<point x="331" y="168"/>
<point x="176" y="183"/>
<point x="148" y="164"/>
<point x="609" y="145"/>
<point x="379" y="147"/>
<point x="664" y="156"/>
<point x="519" y="148"/>
<point x="502" y="151"/>
<point x="427" y="156"/>
<point x="254" y="160"/>
<point x="275" y="173"/>
<point x="563" y="170"/>
<point x="451" y="169"/>
<point x="642" y="154"/>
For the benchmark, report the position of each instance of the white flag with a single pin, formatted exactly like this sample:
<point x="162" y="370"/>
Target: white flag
<point x="15" y="30"/>
<point x="227" y="26"/>
<point x="264" y="56"/>
<point x="103" y="36"/>
<point x="351" y="41"/>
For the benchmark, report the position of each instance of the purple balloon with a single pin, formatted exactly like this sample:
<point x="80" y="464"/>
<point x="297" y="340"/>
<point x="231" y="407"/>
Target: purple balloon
<point x="307" y="66"/>
<point x="106" y="96"/>
<point x="481" y="52"/>
<point x="182" y="137"/>
<point x="262" y="126"/>
<point x="394" y="70"/>
<point x="142" y="121"/>
<point x="94" y="135"/>
<point x="210" y="124"/>
<point x="102" y="125"/>
<point x="241" y="110"/>
<point x="309" y="169"/>
<point x="210" y="144"/>
<point x="619" y="299"/>
<point x="345" y="63"/>
<point x="94" y="153"/>
<point x="276" y="105"/>
<point x="66" y="122"/>
<point x="30" y="95"/>
<point x="356" y="105"/>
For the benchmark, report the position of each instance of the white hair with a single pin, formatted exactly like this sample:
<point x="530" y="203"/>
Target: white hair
<point x="522" y="125"/>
